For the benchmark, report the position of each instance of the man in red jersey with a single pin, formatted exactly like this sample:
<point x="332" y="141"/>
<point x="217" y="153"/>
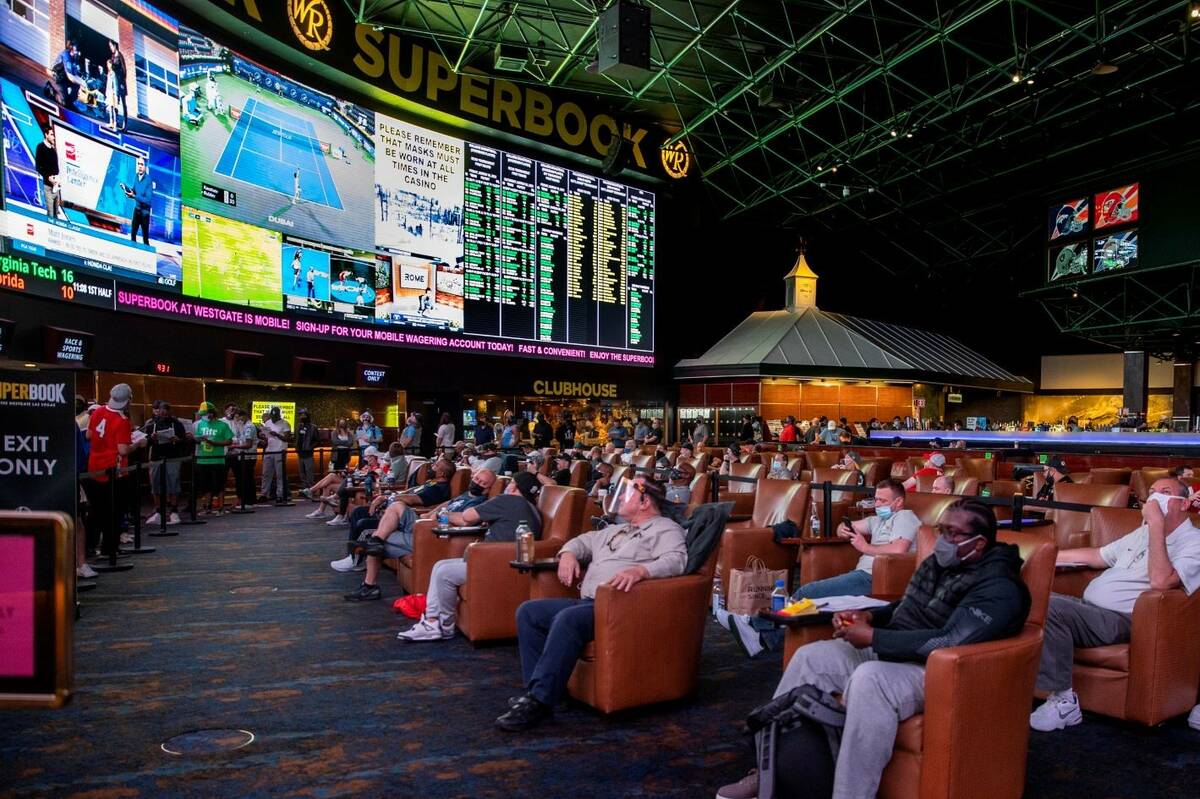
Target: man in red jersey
<point x="110" y="438"/>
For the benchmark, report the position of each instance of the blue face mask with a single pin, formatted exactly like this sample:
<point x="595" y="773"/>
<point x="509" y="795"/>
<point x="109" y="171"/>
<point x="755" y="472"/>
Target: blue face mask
<point x="883" y="511"/>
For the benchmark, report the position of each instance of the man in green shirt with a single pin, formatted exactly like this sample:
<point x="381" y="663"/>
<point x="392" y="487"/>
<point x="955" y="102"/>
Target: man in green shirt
<point x="212" y="436"/>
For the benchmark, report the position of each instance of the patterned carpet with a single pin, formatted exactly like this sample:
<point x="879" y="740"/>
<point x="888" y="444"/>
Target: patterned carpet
<point x="240" y="624"/>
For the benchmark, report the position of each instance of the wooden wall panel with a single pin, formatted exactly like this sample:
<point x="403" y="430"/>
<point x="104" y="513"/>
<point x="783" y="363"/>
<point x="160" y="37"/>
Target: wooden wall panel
<point x="781" y="393"/>
<point x="810" y="409"/>
<point x="778" y="410"/>
<point x="744" y="393"/>
<point x="858" y="413"/>
<point x="718" y="394"/>
<point x="820" y="395"/>
<point x="896" y="396"/>
<point x="858" y="395"/>
<point x="691" y="395"/>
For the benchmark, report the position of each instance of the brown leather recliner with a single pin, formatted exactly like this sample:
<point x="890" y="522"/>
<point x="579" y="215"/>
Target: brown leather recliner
<point x="822" y="458"/>
<point x="842" y="500"/>
<point x="1117" y="477"/>
<point x="741" y="493"/>
<point x="701" y="487"/>
<point x="875" y="469"/>
<point x="966" y="486"/>
<point x="982" y="469"/>
<point x="581" y="472"/>
<point x="460" y="480"/>
<point x="659" y="622"/>
<point x="928" y="507"/>
<point x="976" y="692"/>
<point x="500" y="589"/>
<point x="1071" y="528"/>
<point x="642" y="461"/>
<point x="1154" y="676"/>
<point x="775" y="501"/>
<point x="1140" y="480"/>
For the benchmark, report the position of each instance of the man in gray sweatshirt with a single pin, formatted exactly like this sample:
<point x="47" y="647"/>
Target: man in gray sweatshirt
<point x="552" y="633"/>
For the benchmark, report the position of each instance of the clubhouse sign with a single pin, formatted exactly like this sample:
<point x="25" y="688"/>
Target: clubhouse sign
<point x="415" y="70"/>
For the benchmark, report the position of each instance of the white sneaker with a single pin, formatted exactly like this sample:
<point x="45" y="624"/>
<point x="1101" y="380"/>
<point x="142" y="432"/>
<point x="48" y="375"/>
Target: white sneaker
<point x="426" y="630"/>
<point x="153" y="520"/>
<point x="748" y="638"/>
<point x="86" y="571"/>
<point x="1058" y="711"/>
<point x="1194" y="718"/>
<point x="337" y="521"/>
<point x="126" y="538"/>
<point x="173" y="519"/>
<point x="346" y="564"/>
<point x="319" y="513"/>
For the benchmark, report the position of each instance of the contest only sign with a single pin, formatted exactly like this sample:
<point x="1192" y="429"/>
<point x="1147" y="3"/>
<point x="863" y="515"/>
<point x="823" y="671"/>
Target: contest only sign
<point x="37" y="441"/>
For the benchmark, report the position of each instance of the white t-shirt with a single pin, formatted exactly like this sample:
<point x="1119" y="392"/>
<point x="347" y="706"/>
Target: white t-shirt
<point x="445" y="435"/>
<point x="1128" y="572"/>
<point x="902" y="524"/>
<point x="282" y="428"/>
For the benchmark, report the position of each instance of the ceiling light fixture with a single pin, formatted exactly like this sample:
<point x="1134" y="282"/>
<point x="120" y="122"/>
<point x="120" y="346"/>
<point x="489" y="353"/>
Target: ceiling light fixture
<point x="908" y="135"/>
<point x="1016" y="77"/>
<point x="845" y="192"/>
<point x="894" y="134"/>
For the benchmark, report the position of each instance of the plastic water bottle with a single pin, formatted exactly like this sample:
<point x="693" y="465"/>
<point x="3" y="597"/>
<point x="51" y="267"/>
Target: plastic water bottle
<point x="443" y="518"/>
<point x="718" y="595"/>
<point x="814" y="524"/>
<point x="778" y="597"/>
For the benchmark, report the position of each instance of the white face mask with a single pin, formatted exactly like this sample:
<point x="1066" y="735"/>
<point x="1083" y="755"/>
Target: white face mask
<point x="831" y="426"/>
<point x="1162" y="500"/>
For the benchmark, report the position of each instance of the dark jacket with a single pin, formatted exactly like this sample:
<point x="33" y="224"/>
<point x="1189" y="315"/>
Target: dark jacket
<point x="46" y="161"/>
<point x="484" y="434"/>
<point x="981" y="601"/>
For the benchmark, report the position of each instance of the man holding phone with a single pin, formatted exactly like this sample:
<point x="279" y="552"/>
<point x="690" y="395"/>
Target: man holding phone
<point x="892" y="530"/>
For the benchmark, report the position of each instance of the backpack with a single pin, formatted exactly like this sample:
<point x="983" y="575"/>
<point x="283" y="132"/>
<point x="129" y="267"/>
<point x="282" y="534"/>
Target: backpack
<point x="796" y="739"/>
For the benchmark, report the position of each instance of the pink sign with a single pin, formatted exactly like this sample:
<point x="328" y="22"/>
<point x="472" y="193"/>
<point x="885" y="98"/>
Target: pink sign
<point x="16" y="606"/>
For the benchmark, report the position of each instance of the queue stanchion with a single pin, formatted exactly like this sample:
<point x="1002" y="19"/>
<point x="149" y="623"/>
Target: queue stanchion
<point x="827" y="510"/>
<point x="191" y="514"/>
<point x="113" y="531"/>
<point x="286" y="502"/>
<point x="135" y="508"/>
<point x="162" y="531"/>
<point x="239" y="481"/>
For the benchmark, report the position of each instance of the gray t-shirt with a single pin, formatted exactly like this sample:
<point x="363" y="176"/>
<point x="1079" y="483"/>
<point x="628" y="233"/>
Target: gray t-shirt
<point x="902" y="524"/>
<point x="699" y="432"/>
<point x="1128" y="573"/>
<point x="504" y="513"/>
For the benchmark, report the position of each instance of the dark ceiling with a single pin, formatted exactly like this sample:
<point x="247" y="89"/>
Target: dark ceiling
<point x="914" y="142"/>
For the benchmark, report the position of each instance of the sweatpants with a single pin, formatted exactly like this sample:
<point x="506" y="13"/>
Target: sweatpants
<point x="441" y="601"/>
<point x="272" y="475"/>
<point x="308" y="470"/>
<point x="1072" y="622"/>
<point x="878" y="696"/>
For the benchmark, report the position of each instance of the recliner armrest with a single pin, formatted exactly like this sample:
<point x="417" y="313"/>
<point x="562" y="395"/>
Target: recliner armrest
<point x="1164" y="655"/>
<point x="891" y="573"/>
<point x="429" y="548"/>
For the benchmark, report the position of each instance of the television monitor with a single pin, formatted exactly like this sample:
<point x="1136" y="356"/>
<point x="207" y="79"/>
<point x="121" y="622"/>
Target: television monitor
<point x="1117" y="206"/>
<point x="1117" y="251"/>
<point x="91" y="138"/>
<point x="1068" y="260"/>
<point x="1069" y="218"/>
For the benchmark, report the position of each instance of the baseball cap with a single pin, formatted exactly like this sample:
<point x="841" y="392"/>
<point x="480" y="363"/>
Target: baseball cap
<point x="490" y="446"/>
<point x="119" y="396"/>
<point x="937" y="459"/>
<point x="370" y="452"/>
<point x="528" y="485"/>
<point x="1057" y="464"/>
<point x="207" y="407"/>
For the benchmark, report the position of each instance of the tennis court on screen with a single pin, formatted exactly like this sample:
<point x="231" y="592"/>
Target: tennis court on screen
<point x="268" y="146"/>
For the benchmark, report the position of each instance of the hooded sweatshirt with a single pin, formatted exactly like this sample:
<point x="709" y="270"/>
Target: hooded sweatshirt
<point x="981" y="601"/>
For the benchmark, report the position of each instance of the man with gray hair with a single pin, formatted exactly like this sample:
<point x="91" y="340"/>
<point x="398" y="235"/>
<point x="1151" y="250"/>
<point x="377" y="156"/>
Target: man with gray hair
<point x="1163" y="553"/>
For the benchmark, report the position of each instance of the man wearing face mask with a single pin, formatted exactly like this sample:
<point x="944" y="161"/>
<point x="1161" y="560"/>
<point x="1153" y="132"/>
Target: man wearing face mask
<point x="366" y="518"/>
<point x="212" y="435"/>
<point x="276" y="429"/>
<point x="502" y="515"/>
<point x="1056" y="472"/>
<point x="829" y="436"/>
<point x="892" y="530"/>
<point x="1162" y="554"/>
<point x="779" y="468"/>
<point x="968" y="592"/>
<point x="679" y="489"/>
<point x="552" y="633"/>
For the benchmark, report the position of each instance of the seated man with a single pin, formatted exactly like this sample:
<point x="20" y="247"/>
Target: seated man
<point x="562" y="471"/>
<point x="366" y="518"/>
<point x="393" y="537"/>
<point x="1162" y="554"/>
<point x="552" y="633"/>
<point x="604" y="473"/>
<point x="892" y="530"/>
<point x="502" y="515"/>
<point x="488" y="458"/>
<point x="934" y="463"/>
<point x="1056" y="472"/>
<point x="779" y="468"/>
<point x="942" y="485"/>
<point x="969" y="591"/>
<point x="679" y="489"/>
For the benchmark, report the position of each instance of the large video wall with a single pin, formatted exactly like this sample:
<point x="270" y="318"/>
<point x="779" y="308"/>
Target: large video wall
<point x="150" y="168"/>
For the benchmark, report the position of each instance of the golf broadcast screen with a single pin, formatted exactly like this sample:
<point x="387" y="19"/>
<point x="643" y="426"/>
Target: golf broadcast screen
<point x="150" y="168"/>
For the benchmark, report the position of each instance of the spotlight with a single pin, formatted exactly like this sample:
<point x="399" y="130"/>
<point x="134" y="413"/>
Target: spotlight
<point x="908" y="135"/>
<point x="1029" y="81"/>
<point x="833" y="168"/>
<point x="1016" y="77"/>
<point x="894" y="134"/>
<point x="871" y="190"/>
<point x="845" y="192"/>
<point x="1194" y="11"/>
<point x="819" y="167"/>
<point x="1074" y="295"/>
